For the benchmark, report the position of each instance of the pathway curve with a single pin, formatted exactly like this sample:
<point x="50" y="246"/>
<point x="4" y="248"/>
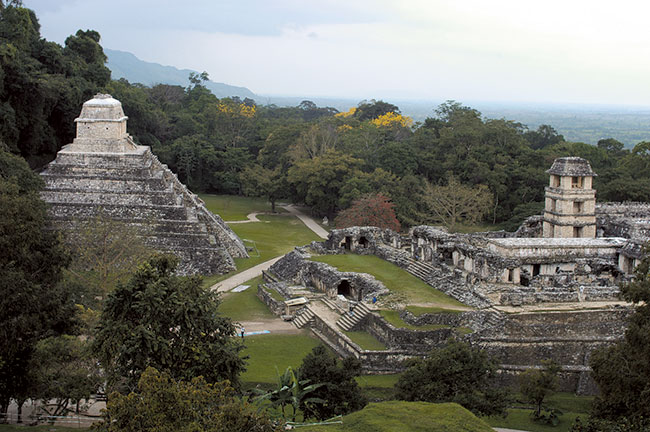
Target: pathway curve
<point x="308" y="221"/>
<point x="252" y="217"/>
<point x="253" y="272"/>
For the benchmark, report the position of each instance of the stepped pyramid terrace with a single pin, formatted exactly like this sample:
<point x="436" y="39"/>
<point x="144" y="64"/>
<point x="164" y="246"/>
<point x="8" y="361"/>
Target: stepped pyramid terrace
<point x="104" y="173"/>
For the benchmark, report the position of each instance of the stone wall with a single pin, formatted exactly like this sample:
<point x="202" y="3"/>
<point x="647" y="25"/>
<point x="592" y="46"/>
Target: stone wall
<point x="296" y="267"/>
<point x="478" y="321"/>
<point x="398" y="257"/>
<point x="361" y="240"/>
<point x="373" y="362"/>
<point x="275" y="306"/>
<point x="569" y="338"/>
<point x="415" y="342"/>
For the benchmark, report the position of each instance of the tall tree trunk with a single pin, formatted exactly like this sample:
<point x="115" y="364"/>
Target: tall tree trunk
<point x="4" y="406"/>
<point x="19" y="412"/>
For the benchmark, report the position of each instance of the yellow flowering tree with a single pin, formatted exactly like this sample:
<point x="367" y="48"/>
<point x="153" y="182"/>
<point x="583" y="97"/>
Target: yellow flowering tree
<point x="235" y="120"/>
<point x="347" y="114"/>
<point x="392" y="119"/>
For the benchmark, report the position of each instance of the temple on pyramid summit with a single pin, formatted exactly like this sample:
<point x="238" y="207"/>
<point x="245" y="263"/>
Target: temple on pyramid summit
<point x="103" y="172"/>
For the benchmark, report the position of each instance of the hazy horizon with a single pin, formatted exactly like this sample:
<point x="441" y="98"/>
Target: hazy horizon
<point x="500" y="52"/>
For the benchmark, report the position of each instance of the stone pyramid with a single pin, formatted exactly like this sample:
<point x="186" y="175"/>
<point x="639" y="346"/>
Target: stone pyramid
<point x="104" y="172"/>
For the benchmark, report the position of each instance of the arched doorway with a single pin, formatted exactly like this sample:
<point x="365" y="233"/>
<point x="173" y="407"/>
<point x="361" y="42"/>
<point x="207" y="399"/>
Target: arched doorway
<point x="344" y="288"/>
<point x="363" y="242"/>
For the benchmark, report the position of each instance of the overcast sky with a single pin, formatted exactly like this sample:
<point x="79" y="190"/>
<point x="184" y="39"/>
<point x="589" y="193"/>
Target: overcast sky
<point x="498" y="50"/>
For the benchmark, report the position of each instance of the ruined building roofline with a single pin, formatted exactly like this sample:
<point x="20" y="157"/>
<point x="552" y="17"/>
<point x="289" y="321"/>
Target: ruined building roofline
<point x="94" y="120"/>
<point x="102" y="99"/>
<point x="552" y="242"/>
<point x="571" y="166"/>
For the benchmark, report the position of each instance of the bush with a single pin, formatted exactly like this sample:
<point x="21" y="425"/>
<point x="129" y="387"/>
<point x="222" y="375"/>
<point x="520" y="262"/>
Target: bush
<point x="457" y="373"/>
<point x="340" y="391"/>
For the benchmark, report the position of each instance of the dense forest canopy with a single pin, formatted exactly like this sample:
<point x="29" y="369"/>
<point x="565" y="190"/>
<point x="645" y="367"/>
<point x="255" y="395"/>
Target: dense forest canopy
<point x="308" y="154"/>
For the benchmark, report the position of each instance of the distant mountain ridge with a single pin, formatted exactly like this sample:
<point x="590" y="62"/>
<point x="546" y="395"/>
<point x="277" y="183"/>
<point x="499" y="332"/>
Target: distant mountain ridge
<point x="126" y="65"/>
<point x="583" y="123"/>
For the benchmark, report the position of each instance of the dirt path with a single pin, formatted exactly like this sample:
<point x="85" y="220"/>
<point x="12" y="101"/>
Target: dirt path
<point x="246" y="275"/>
<point x="252" y="217"/>
<point x="275" y="326"/>
<point x="308" y="221"/>
<point x="253" y="272"/>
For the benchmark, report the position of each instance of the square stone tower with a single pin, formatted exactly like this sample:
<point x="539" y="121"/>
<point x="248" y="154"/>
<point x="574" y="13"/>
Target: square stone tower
<point x="570" y="210"/>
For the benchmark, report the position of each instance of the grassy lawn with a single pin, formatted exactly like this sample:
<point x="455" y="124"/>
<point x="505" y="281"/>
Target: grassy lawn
<point x="245" y="306"/>
<point x="520" y="419"/>
<point x="571" y="402"/>
<point x="365" y="340"/>
<point x="274" y="236"/>
<point x="233" y="207"/>
<point x="266" y="352"/>
<point x="378" y="387"/>
<point x="393" y="277"/>
<point x="402" y="416"/>
<point x="383" y="381"/>
<point x="571" y="405"/>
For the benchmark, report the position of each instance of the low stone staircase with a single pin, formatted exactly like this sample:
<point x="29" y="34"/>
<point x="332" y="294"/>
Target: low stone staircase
<point x="420" y="269"/>
<point x="303" y="317"/>
<point x="446" y="279"/>
<point x="348" y="321"/>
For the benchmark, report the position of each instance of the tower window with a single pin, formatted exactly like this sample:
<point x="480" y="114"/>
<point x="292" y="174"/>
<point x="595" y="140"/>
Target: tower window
<point x="577" y="232"/>
<point x="576" y="182"/>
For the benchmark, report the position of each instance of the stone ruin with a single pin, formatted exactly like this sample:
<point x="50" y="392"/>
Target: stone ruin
<point x="548" y="291"/>
<point x="103" y="173"/>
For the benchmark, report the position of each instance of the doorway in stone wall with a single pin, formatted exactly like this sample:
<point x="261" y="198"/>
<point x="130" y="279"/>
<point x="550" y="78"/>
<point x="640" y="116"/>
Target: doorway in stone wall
<point x="348" y="243"/>
<point x="363" y="242"/>
<point x="344" y="288"/>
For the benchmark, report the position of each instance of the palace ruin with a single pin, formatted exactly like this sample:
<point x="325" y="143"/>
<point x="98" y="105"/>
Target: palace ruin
<point x="548" y="291"/>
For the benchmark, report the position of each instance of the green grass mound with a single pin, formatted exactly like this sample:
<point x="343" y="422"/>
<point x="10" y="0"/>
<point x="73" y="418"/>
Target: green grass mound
<point x="398" y="416"/>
